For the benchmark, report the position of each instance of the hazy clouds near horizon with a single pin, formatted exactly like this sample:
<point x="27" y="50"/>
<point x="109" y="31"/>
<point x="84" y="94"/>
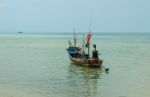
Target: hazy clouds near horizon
<point x="65" y="15"/>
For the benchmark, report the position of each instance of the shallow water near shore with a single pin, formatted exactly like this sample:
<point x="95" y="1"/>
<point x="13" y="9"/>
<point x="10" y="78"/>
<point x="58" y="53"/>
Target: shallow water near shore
<point x="34" y="65"/>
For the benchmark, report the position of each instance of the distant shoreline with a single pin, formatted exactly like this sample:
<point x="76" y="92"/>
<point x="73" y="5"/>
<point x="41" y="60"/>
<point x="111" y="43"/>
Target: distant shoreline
<point x="70" y="33"/>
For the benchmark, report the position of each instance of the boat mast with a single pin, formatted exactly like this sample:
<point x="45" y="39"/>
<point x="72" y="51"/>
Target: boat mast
<point x="83" y="44"/>
<point x="90" y="26"/>
<point x="88" y="49"/>
<point x="74" y="37"/>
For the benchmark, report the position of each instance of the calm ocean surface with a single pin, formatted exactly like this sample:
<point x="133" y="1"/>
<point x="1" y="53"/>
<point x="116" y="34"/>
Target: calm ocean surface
<point x="37" y="65"/>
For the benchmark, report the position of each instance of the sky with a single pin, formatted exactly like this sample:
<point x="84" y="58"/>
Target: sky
<point x="66" y="15"/>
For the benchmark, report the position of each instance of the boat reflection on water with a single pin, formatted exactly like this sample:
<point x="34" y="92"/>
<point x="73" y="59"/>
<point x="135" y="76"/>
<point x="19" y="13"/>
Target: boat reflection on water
<point x="83" y="81"/>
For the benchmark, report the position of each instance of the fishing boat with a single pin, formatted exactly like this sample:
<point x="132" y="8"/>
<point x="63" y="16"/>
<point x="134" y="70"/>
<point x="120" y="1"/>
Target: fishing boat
<point x="79" y="56"/>
<point x="20" y="32"/>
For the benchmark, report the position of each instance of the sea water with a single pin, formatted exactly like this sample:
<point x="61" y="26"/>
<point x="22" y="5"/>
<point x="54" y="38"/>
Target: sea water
<point x="37" y="65"/>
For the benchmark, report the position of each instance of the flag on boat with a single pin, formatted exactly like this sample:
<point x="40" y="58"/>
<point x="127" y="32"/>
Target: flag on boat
<point x="88" y="37"/>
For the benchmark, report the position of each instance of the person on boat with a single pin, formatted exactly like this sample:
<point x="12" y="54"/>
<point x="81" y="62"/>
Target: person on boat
<point x="94" y="52"/>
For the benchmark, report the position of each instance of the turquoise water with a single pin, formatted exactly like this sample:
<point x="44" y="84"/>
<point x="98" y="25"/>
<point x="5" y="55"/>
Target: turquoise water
<point x="34" y="65"/>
